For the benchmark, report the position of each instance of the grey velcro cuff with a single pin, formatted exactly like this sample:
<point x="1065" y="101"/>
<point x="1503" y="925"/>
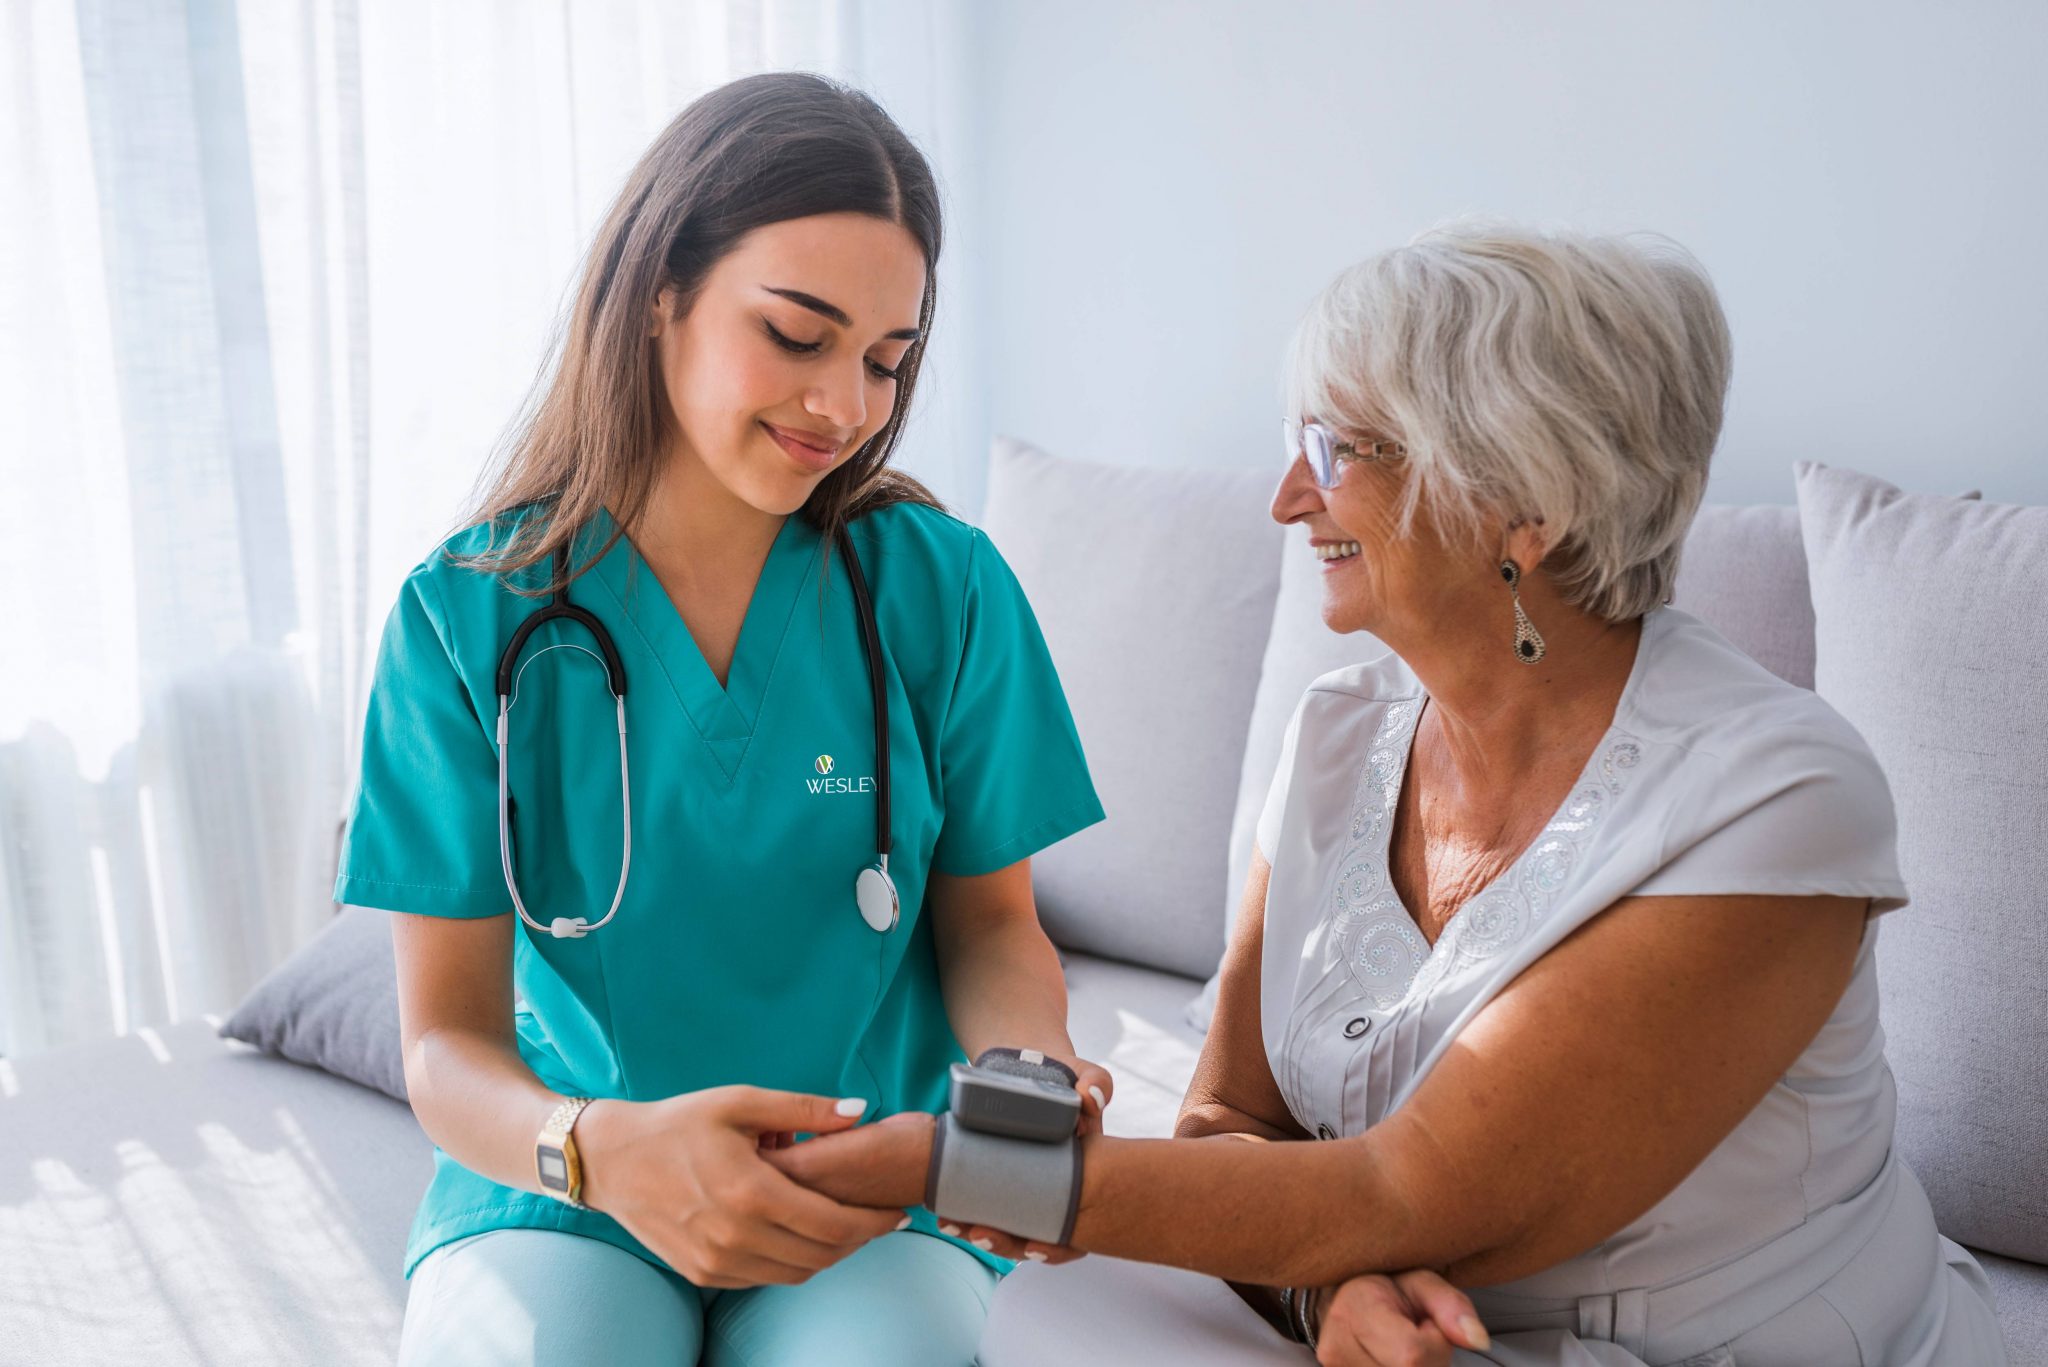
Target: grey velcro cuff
<point x="1020" y="1186"/>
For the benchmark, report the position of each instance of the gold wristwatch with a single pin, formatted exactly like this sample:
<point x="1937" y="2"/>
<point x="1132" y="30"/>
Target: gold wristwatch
<point x="554" y="1154"/>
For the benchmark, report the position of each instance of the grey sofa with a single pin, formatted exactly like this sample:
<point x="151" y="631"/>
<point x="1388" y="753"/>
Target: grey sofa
<point x="174" y="1197"/>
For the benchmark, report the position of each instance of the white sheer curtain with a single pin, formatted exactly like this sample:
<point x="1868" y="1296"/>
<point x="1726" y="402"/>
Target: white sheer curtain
<point x="274" y="277"/>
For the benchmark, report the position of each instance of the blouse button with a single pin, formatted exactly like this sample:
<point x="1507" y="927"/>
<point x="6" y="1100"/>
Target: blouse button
<point x="1356" y="1026"/>
<point x="1325" y="1132"/>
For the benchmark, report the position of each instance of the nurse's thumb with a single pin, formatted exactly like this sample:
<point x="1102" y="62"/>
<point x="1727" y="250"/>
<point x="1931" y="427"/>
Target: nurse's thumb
<point x="762" y="1108"/>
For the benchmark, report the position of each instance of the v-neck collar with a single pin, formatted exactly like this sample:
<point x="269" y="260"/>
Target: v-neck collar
<point x="724" y="717"/>
<point x="1590" y="775"/>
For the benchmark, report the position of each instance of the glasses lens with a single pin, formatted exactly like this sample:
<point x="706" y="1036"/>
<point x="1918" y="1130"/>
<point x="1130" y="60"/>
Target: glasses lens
<point x="1315" y="441"/>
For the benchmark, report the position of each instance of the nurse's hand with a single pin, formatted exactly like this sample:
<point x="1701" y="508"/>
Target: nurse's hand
<point x="1096" y="1086"/>
<point x="688" y="1177"/>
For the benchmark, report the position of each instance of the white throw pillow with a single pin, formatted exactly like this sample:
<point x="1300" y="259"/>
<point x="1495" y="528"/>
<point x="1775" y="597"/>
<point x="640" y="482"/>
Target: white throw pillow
<point x="1299" y="650"/>
<point x="1154" y="588"/>
<point x="1931" y="637"/>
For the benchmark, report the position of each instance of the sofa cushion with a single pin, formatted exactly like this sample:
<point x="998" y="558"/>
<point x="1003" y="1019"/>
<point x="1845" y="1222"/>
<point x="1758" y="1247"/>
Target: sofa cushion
<point x="1132" y="1312"/>
<point x="196" y="1201"/>
<point x="1743" y="571"/>
<point x="1929" y="615"/>
<point x="333" y="1005"/>
<point x="1154" y="588"/>
<point x="2022" y="1291"/>
<point x="1130" y="1020"/>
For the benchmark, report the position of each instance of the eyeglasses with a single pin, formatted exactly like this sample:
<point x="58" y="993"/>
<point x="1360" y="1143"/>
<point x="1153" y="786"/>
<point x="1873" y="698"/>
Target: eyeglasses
<point x="1323" y="449"/>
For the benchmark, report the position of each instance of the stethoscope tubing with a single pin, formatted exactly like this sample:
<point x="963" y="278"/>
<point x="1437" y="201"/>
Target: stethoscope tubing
<point x="560" y="608"/>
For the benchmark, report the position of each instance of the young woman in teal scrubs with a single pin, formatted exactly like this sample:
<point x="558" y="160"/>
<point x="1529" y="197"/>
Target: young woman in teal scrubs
<point x="732" y="380"/>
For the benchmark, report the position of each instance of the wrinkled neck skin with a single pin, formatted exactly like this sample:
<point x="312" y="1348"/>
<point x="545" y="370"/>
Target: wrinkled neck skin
<point x="1492" y="721"/>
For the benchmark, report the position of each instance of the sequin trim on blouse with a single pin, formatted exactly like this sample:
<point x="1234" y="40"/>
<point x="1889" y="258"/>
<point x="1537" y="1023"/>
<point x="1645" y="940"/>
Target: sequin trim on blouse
<point x="1371" y="934"/>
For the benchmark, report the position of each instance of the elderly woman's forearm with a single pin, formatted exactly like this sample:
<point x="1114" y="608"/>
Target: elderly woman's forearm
<point x="1301" y="1213"/>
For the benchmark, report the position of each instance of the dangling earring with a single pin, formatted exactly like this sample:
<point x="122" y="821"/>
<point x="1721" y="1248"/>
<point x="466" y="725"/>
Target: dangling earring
<point x="1529" y="646"/>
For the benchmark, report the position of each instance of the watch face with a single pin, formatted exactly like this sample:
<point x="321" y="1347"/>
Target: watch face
<point x="554" y="1173"/>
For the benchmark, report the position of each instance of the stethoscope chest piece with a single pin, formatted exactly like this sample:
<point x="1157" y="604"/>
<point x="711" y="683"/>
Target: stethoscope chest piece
<point x="875" y="892"/>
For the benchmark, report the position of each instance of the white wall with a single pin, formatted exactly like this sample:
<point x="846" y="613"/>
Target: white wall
<point x="1166" y="185"/>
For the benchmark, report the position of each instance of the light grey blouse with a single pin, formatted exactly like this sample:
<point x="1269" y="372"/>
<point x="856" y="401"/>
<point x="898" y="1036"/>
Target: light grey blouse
<point x="1800" y="1239"/>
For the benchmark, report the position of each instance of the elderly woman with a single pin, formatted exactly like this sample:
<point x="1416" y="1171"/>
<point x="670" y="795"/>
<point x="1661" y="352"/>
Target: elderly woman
<point x="1560" y="935"/>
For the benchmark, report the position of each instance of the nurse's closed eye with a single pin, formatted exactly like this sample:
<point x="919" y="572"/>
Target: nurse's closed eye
<point x="788" y="343"/>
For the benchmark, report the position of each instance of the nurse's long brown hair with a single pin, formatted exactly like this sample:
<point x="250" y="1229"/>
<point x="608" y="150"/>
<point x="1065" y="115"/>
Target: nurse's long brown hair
<point x="759" y="150"/>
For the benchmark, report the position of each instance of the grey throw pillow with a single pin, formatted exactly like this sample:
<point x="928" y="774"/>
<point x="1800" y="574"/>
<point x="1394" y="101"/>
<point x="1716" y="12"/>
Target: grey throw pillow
<point x="333" y="1005"/>
<point x="1929" y="637"/>
<point x="1154" y="588"/>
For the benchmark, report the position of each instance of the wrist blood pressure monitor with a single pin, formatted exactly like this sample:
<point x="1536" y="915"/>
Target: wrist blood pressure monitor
<point x="1006" y="1155"/>
<point x="1017" y="1092"/>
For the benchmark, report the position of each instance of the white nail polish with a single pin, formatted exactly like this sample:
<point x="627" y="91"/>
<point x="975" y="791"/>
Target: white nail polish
<point x="1096" y="1092"/>
<point x="903" y="1223"/>
<point x="953" y="1230"/>
<point x="1034" y="1255"/>
<point x="984" y="1245"/>
<point x="852" y="1105"/>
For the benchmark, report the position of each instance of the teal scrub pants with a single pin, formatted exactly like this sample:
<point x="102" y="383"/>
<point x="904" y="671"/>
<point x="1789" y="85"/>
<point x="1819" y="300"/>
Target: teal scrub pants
<point x="548" y="1298"/>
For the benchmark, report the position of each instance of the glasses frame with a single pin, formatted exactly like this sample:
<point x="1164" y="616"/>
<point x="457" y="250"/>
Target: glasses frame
<point x="1324" y="449"/>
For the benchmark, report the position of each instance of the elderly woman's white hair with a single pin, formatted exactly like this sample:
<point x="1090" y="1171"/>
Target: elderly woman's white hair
<point x="1559" y="375"/>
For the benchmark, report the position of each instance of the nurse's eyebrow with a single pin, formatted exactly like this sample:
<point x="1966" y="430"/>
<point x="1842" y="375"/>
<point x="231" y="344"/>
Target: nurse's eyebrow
<point x="834" y="312"/>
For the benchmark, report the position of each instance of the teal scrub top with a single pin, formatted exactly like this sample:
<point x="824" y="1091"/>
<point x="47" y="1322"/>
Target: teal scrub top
<point x="738" y="954"/>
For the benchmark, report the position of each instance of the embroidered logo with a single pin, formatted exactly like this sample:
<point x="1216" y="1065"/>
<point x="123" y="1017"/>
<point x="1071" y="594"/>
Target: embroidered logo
<point x="823" y="784"/>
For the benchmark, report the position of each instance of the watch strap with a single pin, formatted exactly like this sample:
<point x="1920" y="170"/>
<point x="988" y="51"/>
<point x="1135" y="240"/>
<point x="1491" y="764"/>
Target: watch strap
<point x="563" y="1118"/>
<point x="557" y="1133"/>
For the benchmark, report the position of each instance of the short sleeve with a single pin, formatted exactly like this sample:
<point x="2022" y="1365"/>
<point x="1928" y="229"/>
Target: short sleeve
<point x="1267" y="832"/>
<point x="423" y="829"/>
<point x="1013" y="775"/>
<point x="1801" y="814"/>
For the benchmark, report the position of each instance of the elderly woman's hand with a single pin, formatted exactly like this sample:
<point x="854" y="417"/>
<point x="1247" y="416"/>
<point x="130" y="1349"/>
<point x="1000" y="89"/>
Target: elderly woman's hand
<point x="1410" y="1320"/>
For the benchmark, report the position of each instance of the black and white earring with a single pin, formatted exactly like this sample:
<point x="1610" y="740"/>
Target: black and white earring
<point x="1528" y="643"/>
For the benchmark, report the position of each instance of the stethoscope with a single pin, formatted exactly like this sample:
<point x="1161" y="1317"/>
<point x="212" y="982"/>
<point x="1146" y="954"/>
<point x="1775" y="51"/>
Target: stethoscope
<point x="874" y="891"/>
